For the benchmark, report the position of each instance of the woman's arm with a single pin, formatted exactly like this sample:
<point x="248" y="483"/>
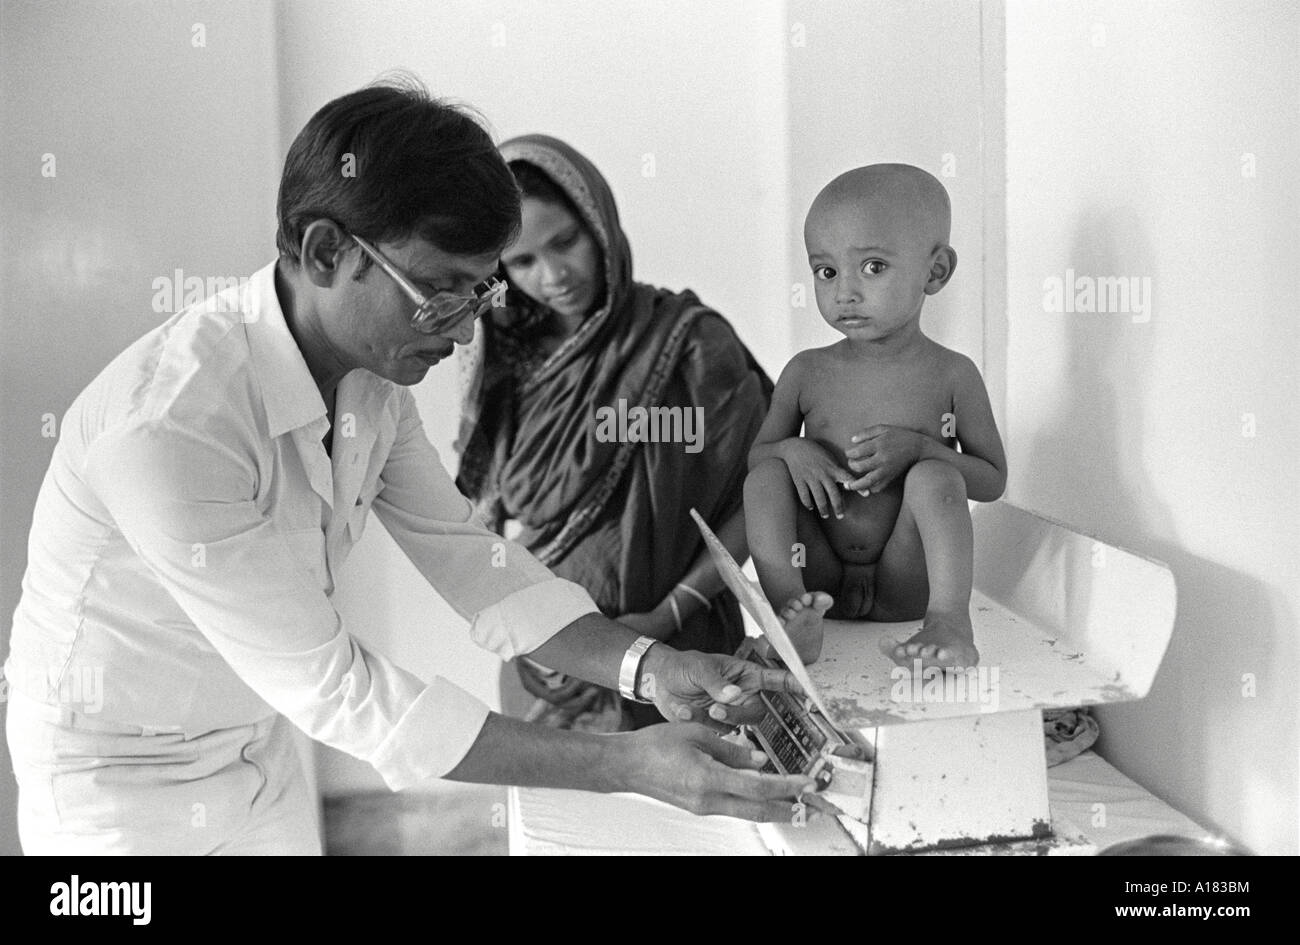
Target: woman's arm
<point x="702" y="578"/>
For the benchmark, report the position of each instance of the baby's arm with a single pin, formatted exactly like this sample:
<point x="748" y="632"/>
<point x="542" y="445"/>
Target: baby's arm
<point x="982" y="461"/>
<point x="784" y="418"/>
<point x="815" y="474"/>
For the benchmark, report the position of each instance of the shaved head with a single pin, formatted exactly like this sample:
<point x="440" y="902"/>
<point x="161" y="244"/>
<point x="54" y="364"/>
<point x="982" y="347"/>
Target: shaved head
<point x="904" y="203"/>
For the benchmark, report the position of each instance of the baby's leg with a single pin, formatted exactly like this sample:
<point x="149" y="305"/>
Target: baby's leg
<point x="926" y="569"/>
<point x="786" y="542"/>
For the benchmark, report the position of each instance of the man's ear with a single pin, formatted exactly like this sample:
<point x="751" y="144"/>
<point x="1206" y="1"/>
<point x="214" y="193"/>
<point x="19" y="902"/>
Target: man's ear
<point x="942" y="267"/>
<point x="323" y="246"/>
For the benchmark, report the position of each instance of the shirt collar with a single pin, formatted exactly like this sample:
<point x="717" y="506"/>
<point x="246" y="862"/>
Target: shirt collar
<point x="289" y="394"/>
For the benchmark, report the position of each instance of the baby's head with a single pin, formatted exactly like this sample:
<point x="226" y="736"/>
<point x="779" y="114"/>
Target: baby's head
<point x="877" y="240"/>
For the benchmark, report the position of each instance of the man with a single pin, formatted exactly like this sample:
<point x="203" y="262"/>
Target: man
<point x="210" y="481"/>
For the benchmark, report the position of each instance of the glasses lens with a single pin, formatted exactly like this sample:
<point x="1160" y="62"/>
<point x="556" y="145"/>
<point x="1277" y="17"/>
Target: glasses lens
<point x="439" y="313"/>
<point x="446" y="311"/>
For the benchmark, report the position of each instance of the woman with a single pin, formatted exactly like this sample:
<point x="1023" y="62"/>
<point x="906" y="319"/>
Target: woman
<point x="577" y="334"/>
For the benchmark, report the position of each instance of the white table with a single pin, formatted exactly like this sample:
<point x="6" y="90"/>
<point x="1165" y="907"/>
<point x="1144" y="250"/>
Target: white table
<point x="1086" y="791"/>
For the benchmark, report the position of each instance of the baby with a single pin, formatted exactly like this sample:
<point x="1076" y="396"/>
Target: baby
<point x="864" y="516"/>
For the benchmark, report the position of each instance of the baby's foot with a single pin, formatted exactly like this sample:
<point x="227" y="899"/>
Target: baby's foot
<point x="802" y="617"/>
<point x="944" y="640"/>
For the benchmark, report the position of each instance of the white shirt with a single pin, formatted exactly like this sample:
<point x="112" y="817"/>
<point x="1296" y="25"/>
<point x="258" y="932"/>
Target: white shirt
<point x="186" y="535"/>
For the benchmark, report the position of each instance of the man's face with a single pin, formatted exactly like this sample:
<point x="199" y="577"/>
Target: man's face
<point x="371" y="326"/>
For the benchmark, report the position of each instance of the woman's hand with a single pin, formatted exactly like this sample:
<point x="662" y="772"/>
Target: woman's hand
<point x="656" y="625"/>
<point x="817" y="476"/>
<point x="882" y="453"/>
<point x="566" y="692"/>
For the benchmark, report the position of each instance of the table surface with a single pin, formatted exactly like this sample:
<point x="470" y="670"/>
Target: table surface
<point x="1086" y="791"/>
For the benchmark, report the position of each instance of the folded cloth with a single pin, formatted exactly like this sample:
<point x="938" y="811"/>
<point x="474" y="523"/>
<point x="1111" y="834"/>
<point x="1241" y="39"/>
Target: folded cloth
<point x="1068" y="732"/>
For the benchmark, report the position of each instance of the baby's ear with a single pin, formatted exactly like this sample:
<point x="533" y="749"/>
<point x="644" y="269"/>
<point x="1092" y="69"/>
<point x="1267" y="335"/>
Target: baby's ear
<point x="942" y="267"/>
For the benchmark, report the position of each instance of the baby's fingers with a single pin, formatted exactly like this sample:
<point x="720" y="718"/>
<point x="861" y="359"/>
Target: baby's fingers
<point x="863" y="484"/>
<point x="833" y="497"/>
<point x="821" y="496"/>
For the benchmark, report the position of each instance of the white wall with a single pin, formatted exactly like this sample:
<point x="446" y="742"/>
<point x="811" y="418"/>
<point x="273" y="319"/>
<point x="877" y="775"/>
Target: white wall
<point x="1128" y="126"/>
<point x="696" y="89"/>
<point x="165" y="157"/>
<point x="895" y="80"/>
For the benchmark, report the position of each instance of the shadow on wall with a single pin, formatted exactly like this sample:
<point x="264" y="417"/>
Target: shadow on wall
<point x="1088" y="469"/>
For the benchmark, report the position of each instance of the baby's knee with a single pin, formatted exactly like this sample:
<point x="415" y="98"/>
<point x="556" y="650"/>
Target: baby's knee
<point x="934" y="482"/>
<point x="769" y="475"/>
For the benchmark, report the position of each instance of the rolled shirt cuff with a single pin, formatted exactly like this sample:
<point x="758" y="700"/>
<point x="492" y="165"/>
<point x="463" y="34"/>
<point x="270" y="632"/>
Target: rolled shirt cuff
<point x="433" y="736"/>
<point x="529" y="617"/>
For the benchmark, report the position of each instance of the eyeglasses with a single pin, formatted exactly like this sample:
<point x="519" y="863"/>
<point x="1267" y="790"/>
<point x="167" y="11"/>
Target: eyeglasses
<point x="443" y="310"/>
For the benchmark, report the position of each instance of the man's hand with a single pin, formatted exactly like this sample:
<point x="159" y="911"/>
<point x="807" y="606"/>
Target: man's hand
<point x="691" y="767"/>
<point x="882" y="453"/>
<point x="708" y="687"/>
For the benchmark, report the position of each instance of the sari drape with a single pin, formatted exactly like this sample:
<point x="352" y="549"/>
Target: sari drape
<point x="610" y="515"/>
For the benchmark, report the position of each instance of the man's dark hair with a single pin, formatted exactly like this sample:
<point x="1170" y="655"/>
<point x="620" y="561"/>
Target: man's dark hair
<point x="389" y="162"/>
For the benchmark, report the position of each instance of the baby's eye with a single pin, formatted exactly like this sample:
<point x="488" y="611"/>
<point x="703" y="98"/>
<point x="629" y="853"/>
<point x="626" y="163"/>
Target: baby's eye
<point x="873" y="267"/>
<point x="824" y="272"/>
<point x="564" y="242"/>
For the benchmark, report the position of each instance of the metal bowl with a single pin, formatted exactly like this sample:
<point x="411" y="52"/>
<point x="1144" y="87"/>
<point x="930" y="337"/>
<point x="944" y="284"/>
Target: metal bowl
<point x="1167" y="844"/>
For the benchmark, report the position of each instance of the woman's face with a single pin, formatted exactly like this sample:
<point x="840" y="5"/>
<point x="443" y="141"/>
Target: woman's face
<point x="555" y="260"/>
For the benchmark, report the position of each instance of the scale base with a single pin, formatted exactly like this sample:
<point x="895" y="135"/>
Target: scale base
<point x="826" y="836"/>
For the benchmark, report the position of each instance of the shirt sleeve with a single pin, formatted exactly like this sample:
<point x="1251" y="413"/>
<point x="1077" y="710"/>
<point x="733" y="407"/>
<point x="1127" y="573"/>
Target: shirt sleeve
<point x="184" y="501"/>
<point x="513" y="602"/>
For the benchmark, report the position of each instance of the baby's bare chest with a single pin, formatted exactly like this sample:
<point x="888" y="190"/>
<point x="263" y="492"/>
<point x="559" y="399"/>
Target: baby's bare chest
<point x="836" y="404"/>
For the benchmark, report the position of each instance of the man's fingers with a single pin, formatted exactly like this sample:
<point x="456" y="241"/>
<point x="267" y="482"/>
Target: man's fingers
<point x="707" y="674"/>
<point x="730" y="716"/>
<point x="777" y="812"/>
<point x="754" y="786"/>
<point x="732" y="754"/>
<point x="770" y="679"/>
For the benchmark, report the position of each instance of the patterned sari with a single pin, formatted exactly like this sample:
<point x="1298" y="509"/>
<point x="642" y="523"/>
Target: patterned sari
<point x="612" y="516"/>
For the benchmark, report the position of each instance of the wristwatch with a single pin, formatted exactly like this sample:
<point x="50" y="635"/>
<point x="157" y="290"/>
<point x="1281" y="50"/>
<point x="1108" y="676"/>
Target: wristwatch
<point x="631" y="668"/>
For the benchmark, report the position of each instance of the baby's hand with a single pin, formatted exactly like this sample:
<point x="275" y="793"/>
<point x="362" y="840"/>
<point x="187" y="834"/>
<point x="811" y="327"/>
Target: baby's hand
<point x="882" y="453"/>
<point x="816" y="475"/>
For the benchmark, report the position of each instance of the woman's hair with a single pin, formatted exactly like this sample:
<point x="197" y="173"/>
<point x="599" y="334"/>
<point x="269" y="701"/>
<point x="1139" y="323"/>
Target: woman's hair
<point x="389" y="162"/>
<point x="536" y="183"/>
